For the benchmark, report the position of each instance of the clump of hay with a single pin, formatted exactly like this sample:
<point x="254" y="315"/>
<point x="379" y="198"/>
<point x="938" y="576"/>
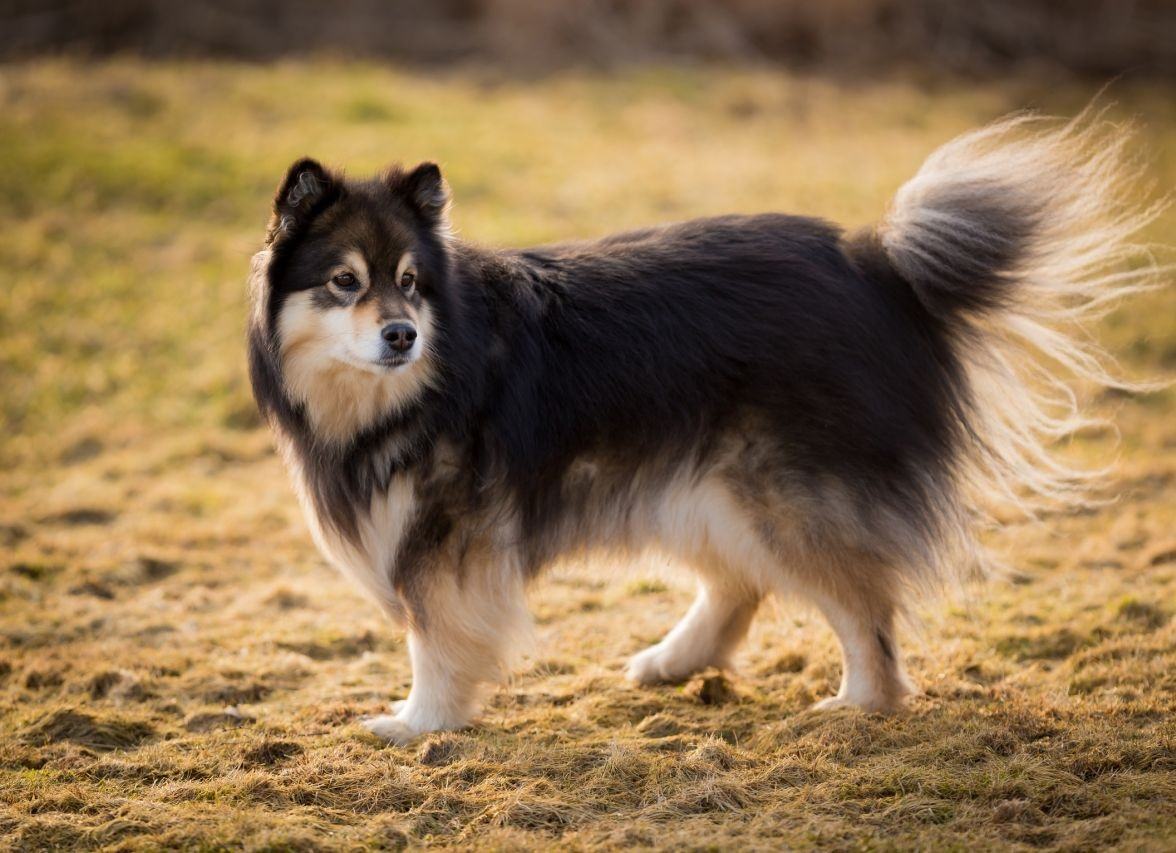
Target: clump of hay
<point x="90" y="730"/>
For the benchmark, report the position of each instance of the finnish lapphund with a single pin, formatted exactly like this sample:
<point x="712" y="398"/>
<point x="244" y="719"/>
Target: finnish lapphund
<point x="780" y="406"/>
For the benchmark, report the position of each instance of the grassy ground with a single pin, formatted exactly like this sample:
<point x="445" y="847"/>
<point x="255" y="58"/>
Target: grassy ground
<point x="178" y="666"/>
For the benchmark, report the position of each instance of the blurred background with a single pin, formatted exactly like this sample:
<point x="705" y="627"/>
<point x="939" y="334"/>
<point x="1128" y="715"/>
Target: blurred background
<point x="177" y="665"/>
<point x="1093" y="37"/>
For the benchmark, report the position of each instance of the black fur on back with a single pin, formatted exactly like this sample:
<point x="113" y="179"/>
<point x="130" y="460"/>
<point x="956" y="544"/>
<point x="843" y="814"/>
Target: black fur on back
<point x="644" y="346"/>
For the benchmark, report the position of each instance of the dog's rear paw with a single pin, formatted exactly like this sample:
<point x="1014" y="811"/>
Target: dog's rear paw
<point x="391" y="728"/>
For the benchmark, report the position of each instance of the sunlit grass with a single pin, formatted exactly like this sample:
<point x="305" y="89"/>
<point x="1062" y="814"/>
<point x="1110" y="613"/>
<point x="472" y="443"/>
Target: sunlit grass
<point x="154" y="570"/>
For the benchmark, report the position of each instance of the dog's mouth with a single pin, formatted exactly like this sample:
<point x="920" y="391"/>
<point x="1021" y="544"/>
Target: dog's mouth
<point x="385" y="364"/>
<point x="391" y="362"/>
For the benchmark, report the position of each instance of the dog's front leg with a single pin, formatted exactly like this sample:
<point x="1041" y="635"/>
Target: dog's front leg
<point x="464" y="633"/>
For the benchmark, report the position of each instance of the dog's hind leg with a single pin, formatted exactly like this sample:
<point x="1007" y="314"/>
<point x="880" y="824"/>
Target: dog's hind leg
<point x="706" y="636"/>
<point x="862" y="615"/>
<point x="464" y="633"/>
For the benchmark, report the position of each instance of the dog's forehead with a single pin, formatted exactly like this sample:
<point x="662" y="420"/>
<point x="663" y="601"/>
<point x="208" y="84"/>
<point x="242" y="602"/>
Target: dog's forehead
<point x="376" y="229"/>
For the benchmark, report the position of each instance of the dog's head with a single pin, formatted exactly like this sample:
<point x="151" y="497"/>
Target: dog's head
<point x="352" y="283"/>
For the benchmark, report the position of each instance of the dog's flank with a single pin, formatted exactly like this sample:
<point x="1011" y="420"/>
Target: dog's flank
<point x="783" y="409"/>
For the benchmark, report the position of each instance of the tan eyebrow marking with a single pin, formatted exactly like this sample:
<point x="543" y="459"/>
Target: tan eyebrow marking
<point x="406" y="261"/>
<point x="353" y="262"/>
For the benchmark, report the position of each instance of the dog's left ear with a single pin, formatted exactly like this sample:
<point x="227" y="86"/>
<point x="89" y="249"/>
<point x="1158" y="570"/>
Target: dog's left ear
<point x="427" y="191"/>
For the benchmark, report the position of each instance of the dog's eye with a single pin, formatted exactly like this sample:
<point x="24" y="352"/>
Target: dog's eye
<point x="408" y="281"/>
<point x="345" y="281"/>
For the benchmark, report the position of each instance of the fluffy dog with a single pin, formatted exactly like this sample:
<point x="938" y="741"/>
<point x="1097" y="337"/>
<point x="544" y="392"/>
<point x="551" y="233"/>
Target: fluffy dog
<point x="782" y="407"/>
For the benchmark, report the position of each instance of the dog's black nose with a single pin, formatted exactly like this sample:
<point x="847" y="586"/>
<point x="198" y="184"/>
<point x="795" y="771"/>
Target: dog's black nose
<point x="400" y="336"/>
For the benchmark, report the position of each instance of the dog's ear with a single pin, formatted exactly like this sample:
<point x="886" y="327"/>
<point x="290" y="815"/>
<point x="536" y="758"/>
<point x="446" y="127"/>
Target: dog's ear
<point x="307" y="189"/>
<point x="427" y="191"/>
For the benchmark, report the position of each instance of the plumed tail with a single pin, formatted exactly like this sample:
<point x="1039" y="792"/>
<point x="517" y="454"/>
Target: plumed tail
<point x="1014" y="238"/>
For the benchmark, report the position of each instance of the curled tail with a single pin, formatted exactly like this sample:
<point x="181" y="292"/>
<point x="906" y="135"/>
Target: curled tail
<point x="1014" y="237"/>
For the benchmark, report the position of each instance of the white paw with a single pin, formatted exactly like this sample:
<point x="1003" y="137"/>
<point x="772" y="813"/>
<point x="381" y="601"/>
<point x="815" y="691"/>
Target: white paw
<point x="871" y="705"/>
<point x="643" y="667"/>
<point x="391" y="728"/>
<point x="398" y="705"/>
<point x="833" y="703"/>
<point x="656" y="665"/>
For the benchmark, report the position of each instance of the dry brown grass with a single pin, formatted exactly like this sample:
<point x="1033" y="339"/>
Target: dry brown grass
<point x="179" y="668"/>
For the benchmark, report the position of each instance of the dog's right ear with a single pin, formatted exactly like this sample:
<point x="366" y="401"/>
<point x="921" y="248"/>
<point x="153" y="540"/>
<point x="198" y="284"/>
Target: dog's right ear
<point x="307" y="190"/>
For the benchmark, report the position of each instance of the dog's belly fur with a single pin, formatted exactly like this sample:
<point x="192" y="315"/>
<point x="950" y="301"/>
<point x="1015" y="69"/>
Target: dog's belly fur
<point x="735" y="513"/>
